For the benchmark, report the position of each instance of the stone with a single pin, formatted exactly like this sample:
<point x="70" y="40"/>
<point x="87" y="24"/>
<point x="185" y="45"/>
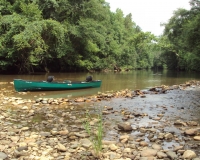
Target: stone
<point x="192" y="123"/>
<point x="3" y="155"/>
<point x="157" y="147"/>
<point x="86" y="143"/>
<point x="172" y="155"/>
<point x="148" y="152"/>
<point x="143" y="143"/>
<point x="111" y="155"/>
<point x="144" y="158"/>
<point x="67" y="156"/>
<point x="191" y="132"/>
<point x="22" y="148"/>
<point x="161" y="155"/>
<point x="124" y="137"/>
<point x="19" y="154"/>
<point x="168" y="136"/>
<point x="14" y="138"/>
<point x="113" y="147"/>
<point x="45" y="158"/>
<point x="82" y="135"/>
<point x="25" y="128"/>
<point x="125" y="127"/>
<point x="105" y="142"/>
<point x="179" y="122"/>
<point x="197" y="138"/>
<point x="189" y="154"/>
<point x="24" y="108"/>
<point x="63" y="133"/>
<point x="127" y="150"/>
<point x="61" y="147"/>
<point x="124" y="140"/>
<point x="45" y="134"/>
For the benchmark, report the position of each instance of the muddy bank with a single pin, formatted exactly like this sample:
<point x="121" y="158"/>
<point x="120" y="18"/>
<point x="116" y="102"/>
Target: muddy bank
<point x="161" y="123"/>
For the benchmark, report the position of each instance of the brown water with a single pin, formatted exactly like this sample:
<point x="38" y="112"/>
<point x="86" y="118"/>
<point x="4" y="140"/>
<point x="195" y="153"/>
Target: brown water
<point x="141" y="79"/>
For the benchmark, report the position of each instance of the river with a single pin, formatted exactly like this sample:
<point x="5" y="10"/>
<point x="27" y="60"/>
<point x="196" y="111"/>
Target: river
<point x="111" y="81"/>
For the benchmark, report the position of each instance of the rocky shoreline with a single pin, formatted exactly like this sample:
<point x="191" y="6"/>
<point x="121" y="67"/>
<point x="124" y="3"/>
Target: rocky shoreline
<point x="161" y="123"/>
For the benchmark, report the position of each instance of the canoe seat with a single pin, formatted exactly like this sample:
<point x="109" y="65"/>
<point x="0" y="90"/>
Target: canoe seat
<point x="88" y="79"/>
<point x="50" y="78"/>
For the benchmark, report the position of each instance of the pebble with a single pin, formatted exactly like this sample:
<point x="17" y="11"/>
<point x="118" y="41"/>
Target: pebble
<point x="48" y="129"/>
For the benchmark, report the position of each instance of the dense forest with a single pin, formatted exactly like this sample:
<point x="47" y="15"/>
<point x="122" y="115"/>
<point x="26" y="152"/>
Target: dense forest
<point x="84" y="35"/>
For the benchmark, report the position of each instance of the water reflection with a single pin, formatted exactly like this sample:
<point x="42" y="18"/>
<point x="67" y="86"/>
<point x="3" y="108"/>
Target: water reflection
<point x="141" y="79"/>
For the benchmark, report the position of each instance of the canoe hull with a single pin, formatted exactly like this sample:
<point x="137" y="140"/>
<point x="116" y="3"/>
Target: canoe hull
<point x="25" y="85"/>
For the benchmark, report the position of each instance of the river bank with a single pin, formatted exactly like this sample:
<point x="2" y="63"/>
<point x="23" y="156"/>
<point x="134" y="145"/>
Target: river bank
<point x="161" y="123"/>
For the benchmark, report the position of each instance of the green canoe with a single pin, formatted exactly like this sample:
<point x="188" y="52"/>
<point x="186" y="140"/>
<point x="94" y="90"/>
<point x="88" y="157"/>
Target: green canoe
<point x="26" y="85"/>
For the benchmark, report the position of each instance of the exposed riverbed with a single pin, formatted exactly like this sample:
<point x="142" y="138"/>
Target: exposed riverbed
<point x="163" y="123"/>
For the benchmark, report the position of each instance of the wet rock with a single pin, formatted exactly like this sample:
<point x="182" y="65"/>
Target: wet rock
<point x="108" y="107"/>
<point x="168" y="136"/>
<point x="189" y="154"/>
<point x="143" y="130"/>
<point x="125" y="127"/>
<point x="136" y="114"/>
<point x="176" y="148"/>
<point x="192" y="123"/>
<point x="160" y="115"/>
<point x="179" y="122"/>
<point x="105" y="112"/>
<point x="161" y="136"/>
<point x="156" y="118"/>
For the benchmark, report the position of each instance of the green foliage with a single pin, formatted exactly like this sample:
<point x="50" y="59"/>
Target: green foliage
<point x="182" y="35"/>
<point x="51" y="35"/>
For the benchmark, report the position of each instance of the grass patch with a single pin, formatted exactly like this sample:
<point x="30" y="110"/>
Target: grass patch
<point x="95" y="132"/>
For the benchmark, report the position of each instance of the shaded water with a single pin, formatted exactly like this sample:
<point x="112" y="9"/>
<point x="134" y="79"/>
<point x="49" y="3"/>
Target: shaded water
<point x="140" y="79"/>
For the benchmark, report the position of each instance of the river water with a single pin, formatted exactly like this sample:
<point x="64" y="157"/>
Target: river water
<point x="111" y="81"/>
<point x="181" y="105"/>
